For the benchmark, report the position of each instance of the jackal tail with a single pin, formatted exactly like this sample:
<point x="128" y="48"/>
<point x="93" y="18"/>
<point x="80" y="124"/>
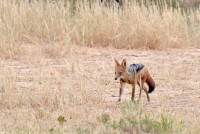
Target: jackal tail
<point x="150" y="82"/>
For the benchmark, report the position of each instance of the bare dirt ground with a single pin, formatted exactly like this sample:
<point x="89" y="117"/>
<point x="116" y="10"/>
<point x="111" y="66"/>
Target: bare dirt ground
<point x="176" y="73"/>
<point x="88" y="79"/>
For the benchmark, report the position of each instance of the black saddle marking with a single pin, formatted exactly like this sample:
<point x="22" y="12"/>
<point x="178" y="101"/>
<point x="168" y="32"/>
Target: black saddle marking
<point x="137" y="67"/>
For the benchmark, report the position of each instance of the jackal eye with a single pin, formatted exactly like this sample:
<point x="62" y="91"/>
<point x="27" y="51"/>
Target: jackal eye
<point x="120" y="73"/>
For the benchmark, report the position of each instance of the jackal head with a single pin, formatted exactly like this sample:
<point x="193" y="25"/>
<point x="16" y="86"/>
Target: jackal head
<point x="120" y="69"/>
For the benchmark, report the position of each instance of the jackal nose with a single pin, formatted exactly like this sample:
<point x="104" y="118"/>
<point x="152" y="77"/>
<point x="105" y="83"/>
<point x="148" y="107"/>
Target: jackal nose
<point x="115" y="78"/>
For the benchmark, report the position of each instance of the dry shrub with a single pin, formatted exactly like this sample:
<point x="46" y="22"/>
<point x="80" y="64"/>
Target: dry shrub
<point x="59" y="25"/>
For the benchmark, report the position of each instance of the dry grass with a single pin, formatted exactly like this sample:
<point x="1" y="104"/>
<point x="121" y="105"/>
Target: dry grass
<point x="61" y="24"/>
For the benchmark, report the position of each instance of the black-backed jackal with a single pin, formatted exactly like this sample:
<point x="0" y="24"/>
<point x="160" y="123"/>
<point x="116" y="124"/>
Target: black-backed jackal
<point x="133" y="74"/>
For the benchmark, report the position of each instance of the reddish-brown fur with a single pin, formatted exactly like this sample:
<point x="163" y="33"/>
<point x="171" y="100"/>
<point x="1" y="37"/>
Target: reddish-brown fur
<point x="140" y="78"/>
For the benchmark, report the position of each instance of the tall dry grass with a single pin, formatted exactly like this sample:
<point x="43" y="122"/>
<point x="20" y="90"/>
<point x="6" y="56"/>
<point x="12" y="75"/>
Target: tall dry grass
<point x="38" y="95"/>
<point x="58" y="24"/>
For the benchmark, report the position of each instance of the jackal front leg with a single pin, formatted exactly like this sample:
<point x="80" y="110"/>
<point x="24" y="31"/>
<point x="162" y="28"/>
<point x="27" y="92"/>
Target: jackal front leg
<point x="133" y="92"/>
<point x="140" y="83"/>
<point x="140" y="90"/>
<point x="121" y="89"/>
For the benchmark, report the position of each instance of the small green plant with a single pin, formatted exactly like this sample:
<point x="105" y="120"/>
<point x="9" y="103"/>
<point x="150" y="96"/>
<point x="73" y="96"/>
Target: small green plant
<point x="167" y="123"/>
<point x="125" y="125"/>
<point x="128" y="122"/>
<point x="82" y="131"/>
<point x="61" y="119"/>
<point x="180" y="126"/>
<point x="104" y="118"/>
<point x="55" y="131"/>
<point x="51" y="130"/>
<point x="148" y="124"/>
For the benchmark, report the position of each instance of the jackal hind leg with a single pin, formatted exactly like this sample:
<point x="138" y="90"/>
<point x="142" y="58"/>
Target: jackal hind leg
<point x="145" y="90"/>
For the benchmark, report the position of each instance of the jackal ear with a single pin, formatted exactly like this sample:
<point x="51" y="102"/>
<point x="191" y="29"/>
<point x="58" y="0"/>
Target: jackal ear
<point x="123" y="63"/>
<point x="116" y="62"/>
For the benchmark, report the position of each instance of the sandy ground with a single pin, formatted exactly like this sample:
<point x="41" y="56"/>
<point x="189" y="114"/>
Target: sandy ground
<point x="176" y="74"/>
